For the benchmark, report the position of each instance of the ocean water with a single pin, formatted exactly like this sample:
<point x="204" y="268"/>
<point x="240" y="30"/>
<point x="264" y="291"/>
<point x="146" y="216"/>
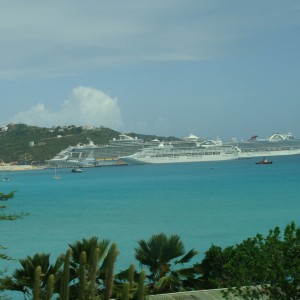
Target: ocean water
<point x="219" y="203"/>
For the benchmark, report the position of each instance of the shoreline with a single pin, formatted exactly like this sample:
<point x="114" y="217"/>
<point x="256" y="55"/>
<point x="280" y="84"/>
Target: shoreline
<point x="8" y="168"/>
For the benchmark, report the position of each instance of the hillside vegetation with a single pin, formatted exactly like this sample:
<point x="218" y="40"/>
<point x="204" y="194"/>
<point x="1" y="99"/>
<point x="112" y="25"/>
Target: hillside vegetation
<point x="25" y="144"/>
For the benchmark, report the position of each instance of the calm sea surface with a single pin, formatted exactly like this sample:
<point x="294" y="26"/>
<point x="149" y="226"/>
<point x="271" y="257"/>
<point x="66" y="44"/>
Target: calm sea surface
<point x="221" y="203"/>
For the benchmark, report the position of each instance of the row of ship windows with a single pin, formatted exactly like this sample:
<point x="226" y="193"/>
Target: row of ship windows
<point x="186" y="154"/>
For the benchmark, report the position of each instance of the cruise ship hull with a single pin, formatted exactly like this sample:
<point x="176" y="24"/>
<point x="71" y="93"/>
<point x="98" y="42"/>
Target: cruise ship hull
<point x="143" y="159"/>
<point x="84" y="163"/>
<point x="133" y="159"/>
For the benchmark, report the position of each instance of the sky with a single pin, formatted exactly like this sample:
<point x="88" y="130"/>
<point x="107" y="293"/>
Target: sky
<point x="212" y="68"/>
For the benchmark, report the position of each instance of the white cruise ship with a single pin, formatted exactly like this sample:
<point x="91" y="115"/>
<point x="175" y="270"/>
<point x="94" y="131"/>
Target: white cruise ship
<point x="168" y="153"/>
<point x="275" y="145"/>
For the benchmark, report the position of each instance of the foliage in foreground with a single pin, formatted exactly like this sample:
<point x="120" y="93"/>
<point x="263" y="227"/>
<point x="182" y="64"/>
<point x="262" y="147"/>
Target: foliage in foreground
<point x="162" y="255"/>
<point x="10" y="217"/>
<point x="259" y="266"/>
<point x="271" y="264"/>
<point x="84" y="272"/>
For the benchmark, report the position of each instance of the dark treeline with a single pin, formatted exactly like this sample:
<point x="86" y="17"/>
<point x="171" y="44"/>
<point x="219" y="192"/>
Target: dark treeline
<point x="16" y="146"/>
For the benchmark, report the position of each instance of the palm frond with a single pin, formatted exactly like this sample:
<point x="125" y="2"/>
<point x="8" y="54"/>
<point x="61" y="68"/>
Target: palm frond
<point x="186" y="258"/>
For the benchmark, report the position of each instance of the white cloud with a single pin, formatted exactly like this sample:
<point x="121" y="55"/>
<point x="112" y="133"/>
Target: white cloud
<point x="84" y="106"/>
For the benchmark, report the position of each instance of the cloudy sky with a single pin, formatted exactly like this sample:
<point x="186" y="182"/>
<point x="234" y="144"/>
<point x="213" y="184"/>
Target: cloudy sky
<point x="173" y="67"/>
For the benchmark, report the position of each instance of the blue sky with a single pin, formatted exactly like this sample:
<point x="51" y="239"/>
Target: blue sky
<point x="174" y="67"/>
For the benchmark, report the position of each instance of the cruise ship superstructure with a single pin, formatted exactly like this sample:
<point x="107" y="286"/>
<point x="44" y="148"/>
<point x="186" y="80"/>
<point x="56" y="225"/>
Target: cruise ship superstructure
<point x="275" y="145"/>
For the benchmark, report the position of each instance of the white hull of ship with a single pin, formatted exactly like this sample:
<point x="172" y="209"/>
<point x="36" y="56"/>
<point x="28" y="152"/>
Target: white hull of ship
<point x="144" y="159"/>
<point x="62" y="163"/>
<point x="83" y="163"/>
<point x="135" y="159"/>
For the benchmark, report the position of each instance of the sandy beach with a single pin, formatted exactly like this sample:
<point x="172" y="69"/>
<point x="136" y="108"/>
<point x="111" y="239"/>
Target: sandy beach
<point x="9" y="167"/>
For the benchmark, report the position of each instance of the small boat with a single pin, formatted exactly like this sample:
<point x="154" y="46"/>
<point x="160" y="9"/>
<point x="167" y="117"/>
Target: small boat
<point x="264" y="162"/>
<point x="56" y="176"/>
<point x="76" y="170"/>
<point x="5" y="179"/>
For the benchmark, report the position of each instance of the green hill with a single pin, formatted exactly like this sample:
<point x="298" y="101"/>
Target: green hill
<point x="31" y="144"/>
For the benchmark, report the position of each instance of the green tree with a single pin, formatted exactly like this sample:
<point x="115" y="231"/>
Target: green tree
<point x="84" y="272"/>
<point x="260" y="266"/>
<point x="23" y="278"/>
<point x="162" y="255"/>
<point x="95" y="264"/>
<point x="213" y="267"/>
<point x="6" y="217"/>
<point x="129" y="284"/>
<point x="10" y="217"/>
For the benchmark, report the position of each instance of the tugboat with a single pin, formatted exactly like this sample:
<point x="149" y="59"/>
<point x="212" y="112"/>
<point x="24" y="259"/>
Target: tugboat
<point x="76" y="170"/>
<point x="264" y="162"/>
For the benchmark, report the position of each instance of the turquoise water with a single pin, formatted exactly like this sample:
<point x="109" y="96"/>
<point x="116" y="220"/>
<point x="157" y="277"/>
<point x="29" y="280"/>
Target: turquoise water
<point x="221" y="203"/>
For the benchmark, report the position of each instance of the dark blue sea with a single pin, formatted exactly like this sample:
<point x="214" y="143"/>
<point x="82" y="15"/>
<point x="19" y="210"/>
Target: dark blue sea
<point x="219" y="203"/>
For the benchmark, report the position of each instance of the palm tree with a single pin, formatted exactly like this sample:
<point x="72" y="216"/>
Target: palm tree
<point x="162" y="255"/>
<point x="88" y="246"/>
<point x="22" y="279"/>
<point x="93" y="255"/>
